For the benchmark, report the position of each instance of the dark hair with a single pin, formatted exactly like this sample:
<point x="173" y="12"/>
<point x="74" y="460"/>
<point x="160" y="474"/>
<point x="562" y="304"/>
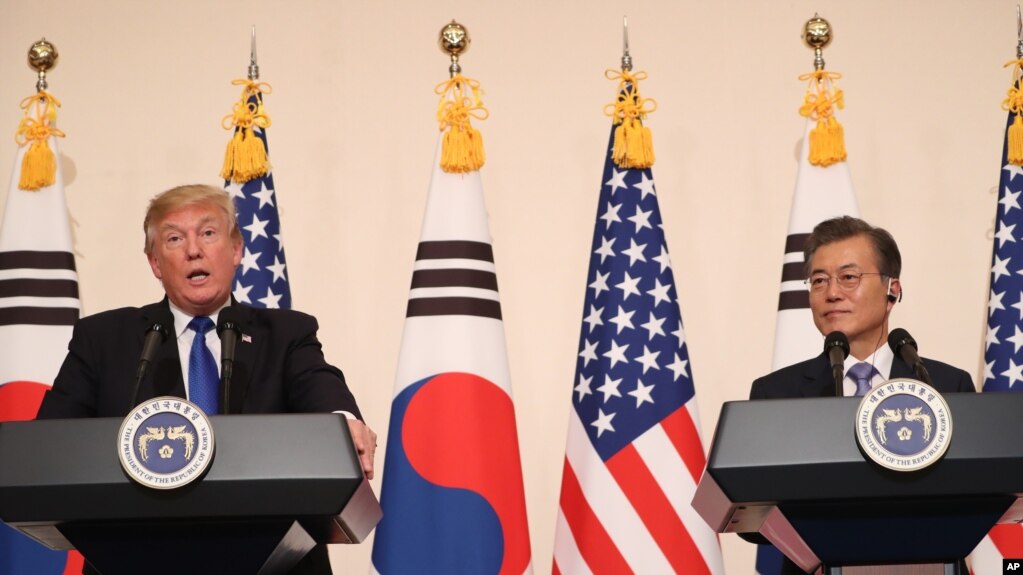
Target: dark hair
<point x="889" y="260"/>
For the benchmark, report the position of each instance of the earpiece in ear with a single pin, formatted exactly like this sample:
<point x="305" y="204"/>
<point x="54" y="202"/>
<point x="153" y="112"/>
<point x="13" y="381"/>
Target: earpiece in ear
<point x="892" y="297"/>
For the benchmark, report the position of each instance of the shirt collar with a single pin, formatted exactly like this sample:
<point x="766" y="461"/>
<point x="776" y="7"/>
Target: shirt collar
<point x="881" y="359"/>
<point x="182" y="319"/>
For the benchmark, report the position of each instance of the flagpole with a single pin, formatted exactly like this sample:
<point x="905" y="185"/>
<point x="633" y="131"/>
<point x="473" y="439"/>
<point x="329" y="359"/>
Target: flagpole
<point x="35" y="253"/>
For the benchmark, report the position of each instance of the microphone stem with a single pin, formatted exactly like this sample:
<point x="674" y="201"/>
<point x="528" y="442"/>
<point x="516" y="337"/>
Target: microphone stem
<point x="921" y="372"/>
<point x="225" y="385"/>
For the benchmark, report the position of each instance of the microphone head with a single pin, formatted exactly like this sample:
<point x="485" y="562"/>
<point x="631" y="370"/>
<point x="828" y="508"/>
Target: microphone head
<point x="839" y="340"/>
<point x="900" y="337"/>
<point x="162" y="323"/>
<point x="227" y="319"/>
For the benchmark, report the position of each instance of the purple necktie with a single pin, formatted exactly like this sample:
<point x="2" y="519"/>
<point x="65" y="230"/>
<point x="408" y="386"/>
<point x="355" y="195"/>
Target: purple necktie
<point x="862" y="373"/>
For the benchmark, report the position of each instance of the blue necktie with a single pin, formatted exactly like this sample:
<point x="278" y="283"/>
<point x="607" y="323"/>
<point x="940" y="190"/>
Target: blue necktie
<point x="203" y="380"/>
<point x="862" y="373"/>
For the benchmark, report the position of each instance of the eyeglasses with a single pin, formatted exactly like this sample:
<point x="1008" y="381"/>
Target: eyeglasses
<point x="846" y="280"/>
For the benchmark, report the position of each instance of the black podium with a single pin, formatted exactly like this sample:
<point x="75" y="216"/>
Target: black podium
<point x="278" y="485"/>
<point x="791" y="470"/>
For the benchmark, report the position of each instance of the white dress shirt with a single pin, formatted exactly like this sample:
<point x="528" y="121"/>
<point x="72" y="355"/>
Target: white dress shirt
<point x="881" y="359"/>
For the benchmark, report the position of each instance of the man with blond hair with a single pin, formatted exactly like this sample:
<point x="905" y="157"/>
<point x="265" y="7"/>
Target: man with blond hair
<point x="193" y="246"/>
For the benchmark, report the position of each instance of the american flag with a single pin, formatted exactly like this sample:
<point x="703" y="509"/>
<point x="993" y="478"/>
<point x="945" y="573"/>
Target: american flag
<point x="1003" y="362"/>
<point x="634" y="455"/>
<point x="261" y="280"/>
<point x="39" y="304"/>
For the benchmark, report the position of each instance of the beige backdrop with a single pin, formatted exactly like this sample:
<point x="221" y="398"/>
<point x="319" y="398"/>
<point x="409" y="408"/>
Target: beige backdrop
<point x="145" y="84"/>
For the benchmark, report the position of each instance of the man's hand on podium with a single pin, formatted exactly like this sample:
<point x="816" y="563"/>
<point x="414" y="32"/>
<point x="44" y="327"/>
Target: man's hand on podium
<point x="365" y="444"/>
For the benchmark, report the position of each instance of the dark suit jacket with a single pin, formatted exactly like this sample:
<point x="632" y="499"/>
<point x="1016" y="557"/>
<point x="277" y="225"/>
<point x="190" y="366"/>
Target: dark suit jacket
<point x="812" y="378"/>
<point x="278" y="366"/>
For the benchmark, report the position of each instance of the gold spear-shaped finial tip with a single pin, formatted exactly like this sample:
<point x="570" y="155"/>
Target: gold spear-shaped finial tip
<point x="626" y="57"/>
<point x="253" y="65"/>
<point x="454" y="39"/>
<point x="42" y="57"/>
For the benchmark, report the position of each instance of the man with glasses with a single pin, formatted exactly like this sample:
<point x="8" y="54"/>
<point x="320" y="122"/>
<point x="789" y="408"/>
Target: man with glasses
<point x="852" y="271"/>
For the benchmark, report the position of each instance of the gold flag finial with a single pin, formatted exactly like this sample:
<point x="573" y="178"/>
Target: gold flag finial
<point x="827" y="139"/>
<point x="454" y="39"/>
<point x="817" y="35"/>
<point x="39" y="164"/>
<point x="42" y="57"/>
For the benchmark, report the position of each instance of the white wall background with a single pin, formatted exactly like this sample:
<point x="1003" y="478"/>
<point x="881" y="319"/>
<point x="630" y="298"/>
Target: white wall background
<point x="144" y="85"/>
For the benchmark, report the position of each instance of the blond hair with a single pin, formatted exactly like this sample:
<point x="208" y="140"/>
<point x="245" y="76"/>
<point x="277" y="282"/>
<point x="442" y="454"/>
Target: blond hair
<point x="183" y="196"/>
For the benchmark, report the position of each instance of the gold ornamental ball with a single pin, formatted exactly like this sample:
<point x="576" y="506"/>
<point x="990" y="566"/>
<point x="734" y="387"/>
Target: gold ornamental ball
<point x="817" y="32"/>
<point x="42" y="56"/>
<point x="454" y="38"/>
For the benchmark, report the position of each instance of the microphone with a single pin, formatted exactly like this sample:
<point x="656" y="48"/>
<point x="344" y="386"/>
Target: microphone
<point x="836" y="346"/>
<point x="228" y="329"/>
<point x="159" y="328"/>
<point x="905" y="347"/>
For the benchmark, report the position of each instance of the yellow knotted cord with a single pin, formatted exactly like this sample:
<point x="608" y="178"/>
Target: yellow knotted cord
<point x="39" y="165"/>
<point x="1014" y="103"/>
<point x="245" y="158"/>
<point x="462" y="145"/>
<point x="827" y="139"/>
<point x="633" y="142"/>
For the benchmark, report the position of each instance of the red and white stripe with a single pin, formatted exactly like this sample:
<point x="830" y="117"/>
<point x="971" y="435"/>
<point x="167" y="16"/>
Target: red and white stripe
<point x="1002" y="542"/>
<point x="632" y="514"/>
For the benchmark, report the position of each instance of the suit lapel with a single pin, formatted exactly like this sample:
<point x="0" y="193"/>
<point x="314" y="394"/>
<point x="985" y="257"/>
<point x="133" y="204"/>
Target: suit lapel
<point x="246" y="352"/>
<point x="165" y="371"/>
<point x="901" y="369"/>
<point x="817" y="380"/>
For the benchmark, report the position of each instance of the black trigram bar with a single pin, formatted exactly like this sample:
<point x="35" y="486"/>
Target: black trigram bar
<point x="454" y="278"/>
<point x="37" y="260"/>
<point x="454" y="306"/>
<point x="793" y="271"/>
<point x="38" y="288"/>
<point x="455" y="249"/>
<point x="38" y="315"/>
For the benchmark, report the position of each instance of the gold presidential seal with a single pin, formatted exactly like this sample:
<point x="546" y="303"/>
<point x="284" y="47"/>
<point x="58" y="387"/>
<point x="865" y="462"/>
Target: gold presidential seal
<point x="165" y="443"/>
<point x="904" y="425"/>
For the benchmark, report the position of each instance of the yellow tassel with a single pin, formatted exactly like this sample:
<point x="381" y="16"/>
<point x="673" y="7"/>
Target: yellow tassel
<point x="1016" y="141"/>
<point x="827" y="142"/>
<point x="827" y="139"/>
<point x="39" y="164"/>
<point x="633" y="142"/>
<point x="38" y="167"/>
<point x="245" y="158"/>
<point x="1014" y="103"/>
<point x="461" y="148"/>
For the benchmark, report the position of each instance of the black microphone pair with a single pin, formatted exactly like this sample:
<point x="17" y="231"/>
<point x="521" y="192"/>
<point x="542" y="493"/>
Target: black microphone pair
<point x="228" y="328"/>
<point x="836" y="347"/>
